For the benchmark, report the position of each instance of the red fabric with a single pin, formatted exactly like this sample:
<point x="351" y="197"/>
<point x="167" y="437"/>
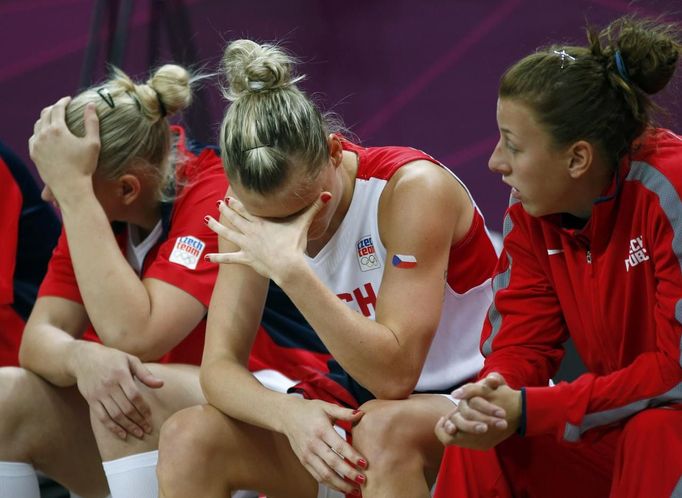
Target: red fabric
<point x="466" y="473"/>
<point x="614" y="285"/>
<point x="10" y="209"/>
<point x="11" y="330"/>
<point x="639" y="458"/>
<point x="294" y="362"/>
<point x="203" y="183"/>
<point x="11" y="325"/>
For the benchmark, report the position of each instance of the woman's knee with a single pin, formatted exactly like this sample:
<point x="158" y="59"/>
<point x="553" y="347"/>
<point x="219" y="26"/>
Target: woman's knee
<point x="23" y="412"/>
<point x="656" y="427"/>
<point x="384" y="431"/>
<point x="189" y="438"/>
<point x="400" y="432"/>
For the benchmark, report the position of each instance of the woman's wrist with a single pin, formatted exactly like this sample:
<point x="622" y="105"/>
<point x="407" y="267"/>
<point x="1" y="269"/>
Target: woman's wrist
<point x="74" y="194"/>
<point x="290" y="272"/>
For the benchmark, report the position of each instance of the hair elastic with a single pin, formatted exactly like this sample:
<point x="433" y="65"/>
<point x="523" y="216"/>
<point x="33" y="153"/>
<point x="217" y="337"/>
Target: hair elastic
<point x="620" y="65"/>
<point x="256" y="85"/>
<point x="254" y="148"/>
<point x="162" y="107"/>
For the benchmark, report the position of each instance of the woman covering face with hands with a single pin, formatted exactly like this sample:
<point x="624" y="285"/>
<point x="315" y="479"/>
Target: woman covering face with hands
<point x="591" y="251"/>
<point x="127" y="267"/>
<point x="383" y="252"/>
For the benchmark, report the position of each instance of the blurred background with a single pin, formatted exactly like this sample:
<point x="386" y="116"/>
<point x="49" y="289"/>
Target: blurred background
<point x="420" y="73"/>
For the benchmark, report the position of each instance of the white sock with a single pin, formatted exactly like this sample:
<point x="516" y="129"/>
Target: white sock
<point x="133" y="475"/>
<point x="18" y="480"/>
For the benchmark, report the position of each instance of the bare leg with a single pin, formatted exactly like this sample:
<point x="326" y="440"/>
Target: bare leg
<point x="49" y="427"/>
<point x="205" y="453"/>
<point x="398" y="441"/>
<point x="181" y="389"/>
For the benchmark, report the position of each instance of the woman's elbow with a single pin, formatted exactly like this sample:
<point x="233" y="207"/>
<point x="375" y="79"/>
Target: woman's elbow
<point x="394" y="387"/>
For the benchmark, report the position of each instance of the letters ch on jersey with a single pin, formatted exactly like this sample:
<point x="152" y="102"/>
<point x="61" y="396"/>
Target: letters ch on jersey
<point x="364" y="297"/>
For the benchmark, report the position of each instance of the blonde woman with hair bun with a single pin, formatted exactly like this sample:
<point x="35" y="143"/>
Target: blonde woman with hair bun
<point x="129" y="268"/>
<point x="383" y="252"/>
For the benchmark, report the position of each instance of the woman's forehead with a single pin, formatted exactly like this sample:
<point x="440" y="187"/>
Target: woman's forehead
<point x="290" y="198"/>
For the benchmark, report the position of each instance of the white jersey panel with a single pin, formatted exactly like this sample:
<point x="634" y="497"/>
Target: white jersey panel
<point x="352" y="264"/>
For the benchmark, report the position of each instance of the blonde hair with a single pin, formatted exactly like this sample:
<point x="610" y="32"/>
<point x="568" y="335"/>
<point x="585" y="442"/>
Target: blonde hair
<point x="270" y="122"/>
<point x="132" y="120"/>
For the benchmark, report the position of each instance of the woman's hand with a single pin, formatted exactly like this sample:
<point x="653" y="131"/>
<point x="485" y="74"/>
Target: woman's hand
<point x="488" y="412"/>
<point x="271" y="247"/>
<point x="64" y="161"/>
<point x="309" y="425"/>
<point x="106" y="379"/>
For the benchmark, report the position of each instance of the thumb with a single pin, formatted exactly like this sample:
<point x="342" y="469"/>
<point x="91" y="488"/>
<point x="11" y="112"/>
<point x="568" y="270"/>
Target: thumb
<point x="494" y="380"/>
<point x="316" y="207"/>
<point x="91" y="122"/>
<point x="347" y="414"/>
<point x="144" y="374"/>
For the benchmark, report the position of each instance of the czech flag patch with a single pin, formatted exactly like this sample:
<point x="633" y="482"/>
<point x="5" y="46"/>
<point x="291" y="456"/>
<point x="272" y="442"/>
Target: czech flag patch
<point x="404" y="261"/>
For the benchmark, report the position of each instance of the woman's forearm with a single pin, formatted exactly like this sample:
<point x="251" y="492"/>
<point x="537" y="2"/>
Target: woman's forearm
<point x="116" y="300"/>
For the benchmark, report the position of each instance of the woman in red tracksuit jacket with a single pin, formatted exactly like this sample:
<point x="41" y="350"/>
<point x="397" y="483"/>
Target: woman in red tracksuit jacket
<point x="592" y="250"/>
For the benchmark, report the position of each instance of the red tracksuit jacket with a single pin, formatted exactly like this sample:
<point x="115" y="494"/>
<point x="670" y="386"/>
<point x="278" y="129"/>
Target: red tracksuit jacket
<point x="614" y="286"/>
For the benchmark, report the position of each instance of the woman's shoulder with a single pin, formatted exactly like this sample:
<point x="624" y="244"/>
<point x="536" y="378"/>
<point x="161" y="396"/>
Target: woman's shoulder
<point x="656" y="159"/>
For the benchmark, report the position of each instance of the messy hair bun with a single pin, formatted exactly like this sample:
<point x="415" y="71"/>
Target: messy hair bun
<point x="251" y="68"/>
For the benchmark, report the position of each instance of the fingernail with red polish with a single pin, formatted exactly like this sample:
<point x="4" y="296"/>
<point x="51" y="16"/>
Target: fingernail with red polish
<point x="325" y="197"/>
<point x="218" y="204"/>
<point x="207" y="258"/>
<point x="355" y="412"/>
<point x="206" y="219"/>
<point x="362" y="463"/>
<point x="360" y="479"/>
<point x="227" y="201"/>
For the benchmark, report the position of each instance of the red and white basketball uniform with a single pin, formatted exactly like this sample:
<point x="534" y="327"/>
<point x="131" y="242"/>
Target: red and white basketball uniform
<point x="174" y="253"/>
<point x="353" y="261"/>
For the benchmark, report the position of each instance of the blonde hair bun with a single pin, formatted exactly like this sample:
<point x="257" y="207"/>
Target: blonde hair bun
<point x="253" y="68"/>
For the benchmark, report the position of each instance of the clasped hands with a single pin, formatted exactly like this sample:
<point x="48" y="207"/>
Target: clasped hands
<point x="489" y="411"/>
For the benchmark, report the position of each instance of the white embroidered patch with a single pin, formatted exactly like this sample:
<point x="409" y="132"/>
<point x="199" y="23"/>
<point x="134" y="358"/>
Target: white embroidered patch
<point x="367" y="256"/>
<point x="187" y="251"/>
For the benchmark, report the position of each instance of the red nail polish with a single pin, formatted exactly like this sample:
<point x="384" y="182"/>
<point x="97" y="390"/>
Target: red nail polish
<point x="360" y="479"/>
<point x="206" y="258"/>
<point x="227" y="201"/>
<point x="362" y="463"/>
<point x="355" y="412"/>
<point x="218" y="204"/>
<point x="206" y="219"/>
<point x="325" y="197"/>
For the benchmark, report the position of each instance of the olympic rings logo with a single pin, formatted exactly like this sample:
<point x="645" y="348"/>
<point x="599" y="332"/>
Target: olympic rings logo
<point x="369" y="261"/>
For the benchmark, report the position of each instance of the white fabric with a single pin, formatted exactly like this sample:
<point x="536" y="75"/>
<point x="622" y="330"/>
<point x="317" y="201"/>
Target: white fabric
<point x="133" y="475"/>
<point x="274" y="380"/>
<point x="352" y="264"/>
<point x="18" y="480"/>
<point x="451" y="399"/>
<point x="136" y="249"/>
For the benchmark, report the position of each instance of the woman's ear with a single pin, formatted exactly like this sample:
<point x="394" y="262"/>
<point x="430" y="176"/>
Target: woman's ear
<point x="129" y="188"/>
<point x="581" y="156"/>
<point x="335" y="149"/>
